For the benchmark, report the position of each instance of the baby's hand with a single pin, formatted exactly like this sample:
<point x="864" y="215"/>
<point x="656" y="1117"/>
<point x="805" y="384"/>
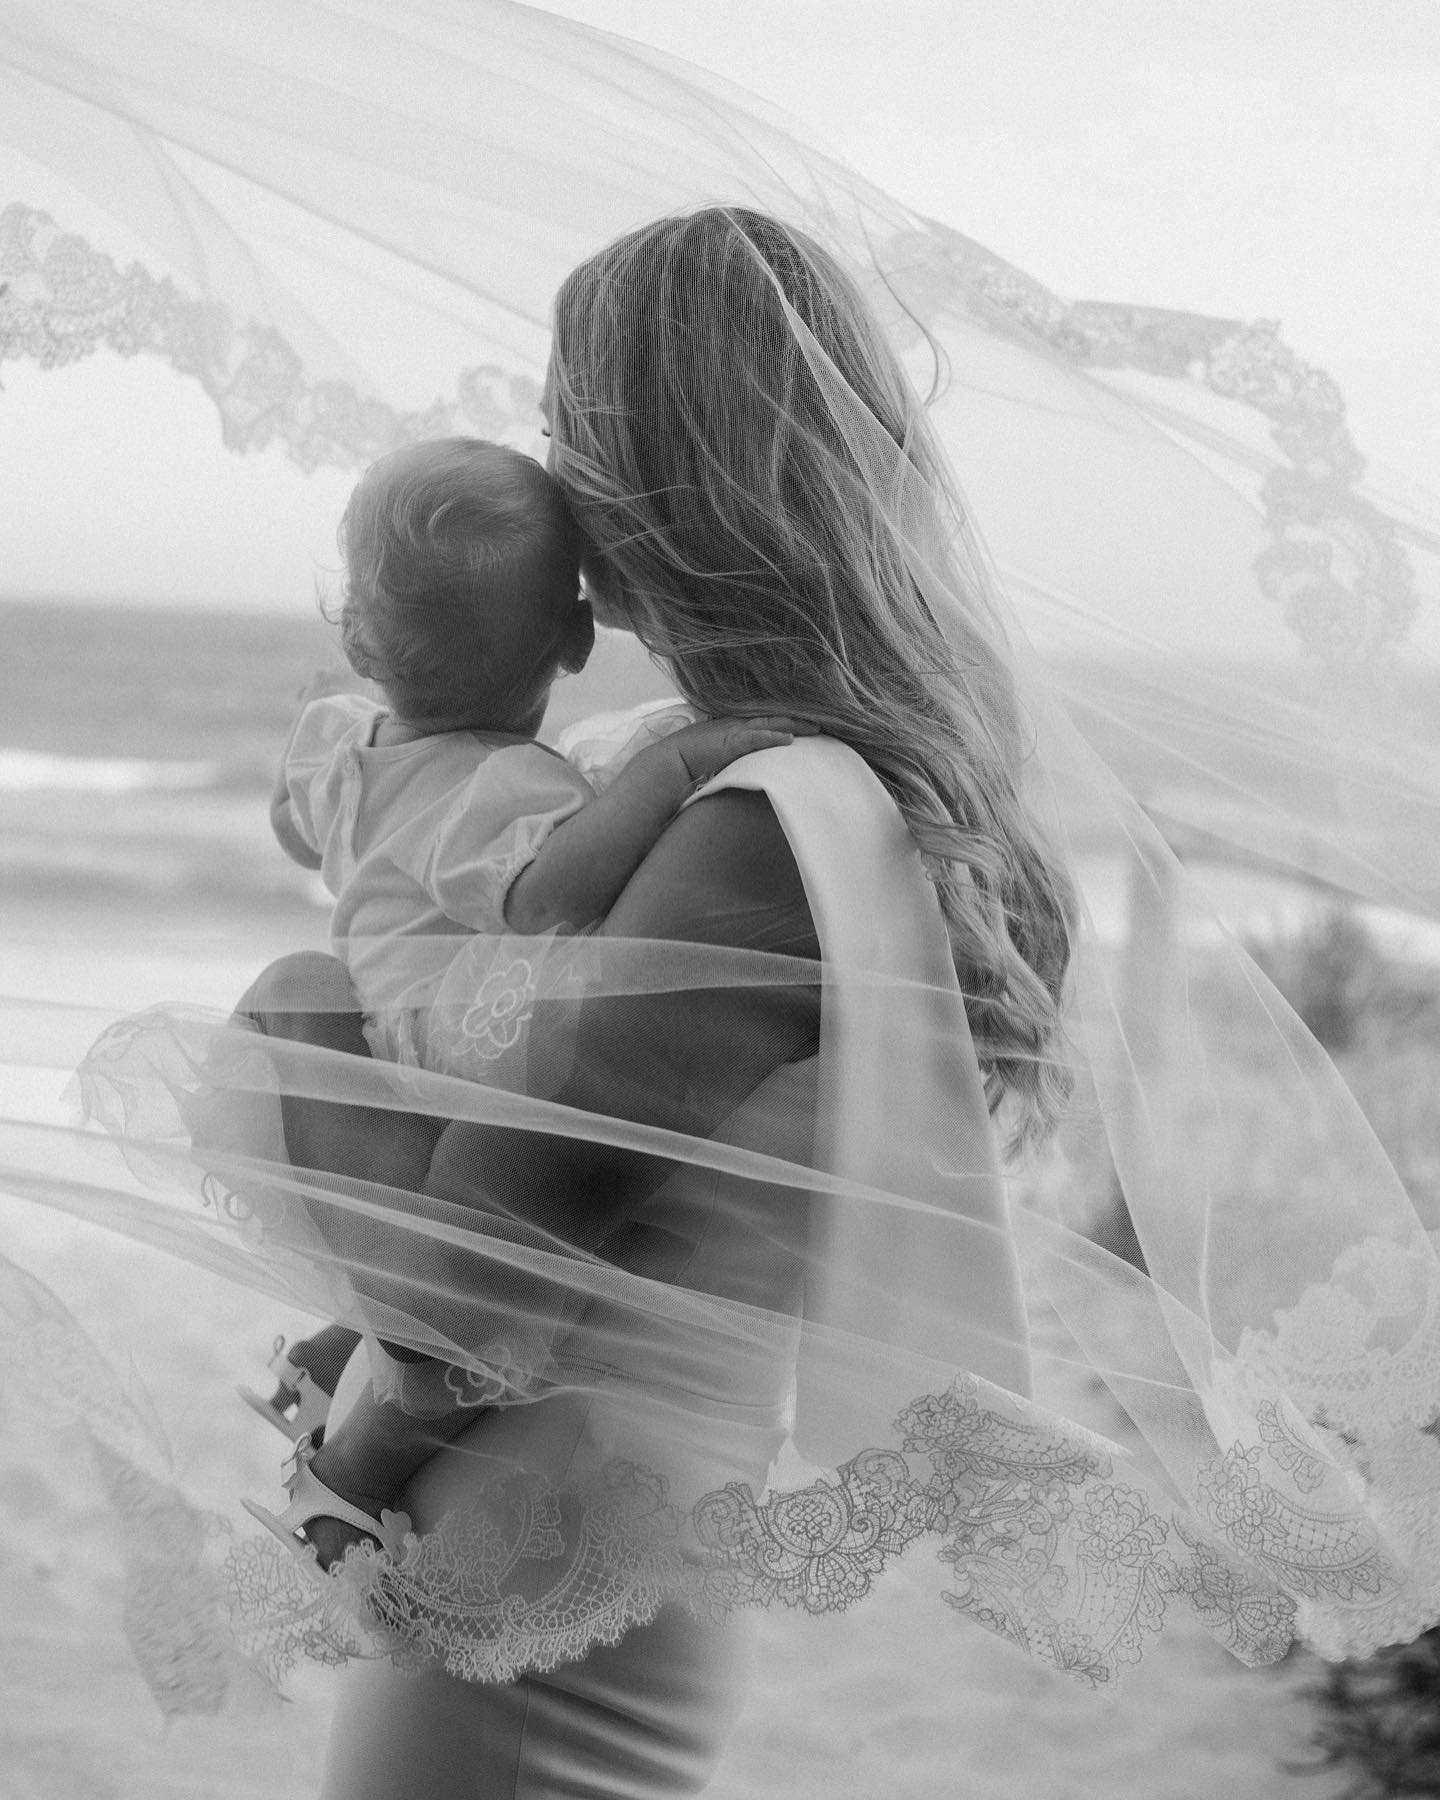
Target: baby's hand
<point x="712" y="745"/>
<point x="334" y="678"/>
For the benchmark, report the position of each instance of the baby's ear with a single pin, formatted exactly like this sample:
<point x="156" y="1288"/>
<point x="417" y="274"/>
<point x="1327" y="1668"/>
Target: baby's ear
<point x="361" y="658"/>
<point x="579" y="639"/>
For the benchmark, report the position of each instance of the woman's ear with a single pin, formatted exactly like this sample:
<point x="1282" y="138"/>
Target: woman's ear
<point x="579" y="639"/>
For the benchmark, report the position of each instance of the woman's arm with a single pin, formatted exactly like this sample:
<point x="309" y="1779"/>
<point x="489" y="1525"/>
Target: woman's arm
<point x="721" y="874"/>
<point x="586" y="862"/>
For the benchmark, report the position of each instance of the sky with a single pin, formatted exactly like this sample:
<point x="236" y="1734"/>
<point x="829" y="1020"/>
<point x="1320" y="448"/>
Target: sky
<point x="1255" y="159"/>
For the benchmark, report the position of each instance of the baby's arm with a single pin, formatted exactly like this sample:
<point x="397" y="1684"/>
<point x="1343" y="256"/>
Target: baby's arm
<point x="582" y="867"/>
<point x="287" y="833"/>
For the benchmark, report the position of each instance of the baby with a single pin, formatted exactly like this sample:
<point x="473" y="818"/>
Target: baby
<point x="436" y="815"/>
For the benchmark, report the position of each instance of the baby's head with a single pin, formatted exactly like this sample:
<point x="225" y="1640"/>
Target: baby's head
<point x="462" y="591"/>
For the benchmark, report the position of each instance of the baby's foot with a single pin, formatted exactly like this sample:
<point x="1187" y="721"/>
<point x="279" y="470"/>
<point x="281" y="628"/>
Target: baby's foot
<point x="331" y="1538"/>
<point x="323" y="1357"/>
<point x="332" y="1508"/>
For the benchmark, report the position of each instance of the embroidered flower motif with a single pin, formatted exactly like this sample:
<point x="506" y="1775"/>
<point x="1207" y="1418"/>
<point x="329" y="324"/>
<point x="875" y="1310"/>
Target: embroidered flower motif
<point x="531" y="1578"/>
<point x="1237" y="1501"/>
<point x="1360" y="1352"/>
<point x="498" y="1372"/>
<point x="1287" y="1450"/>
<point x="225" y="1201"/>
<point x="501" y="1010"/>
<point x="1252" y="1623"/>
<point x="1311" y="1553"/>
<point x="1119" y="1530"/>
<point x="818" y="1547"/>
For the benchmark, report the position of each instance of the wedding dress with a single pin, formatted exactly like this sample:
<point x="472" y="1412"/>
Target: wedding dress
<point x="347" y="223"/>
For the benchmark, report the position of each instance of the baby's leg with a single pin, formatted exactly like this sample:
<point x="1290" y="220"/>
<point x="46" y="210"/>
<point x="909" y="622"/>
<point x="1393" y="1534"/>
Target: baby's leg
<point x="370" y="1456"/>
<point x="378" y="1446"/>
<point x="307" y="998"/>
<point x="323" y="1355"/>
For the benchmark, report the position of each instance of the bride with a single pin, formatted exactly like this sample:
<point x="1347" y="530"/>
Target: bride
<point x="768" y="568"/>
<point x="848" y="988"/>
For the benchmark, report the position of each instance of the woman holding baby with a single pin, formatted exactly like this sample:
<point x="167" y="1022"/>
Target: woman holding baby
<point x="762" y="505"/>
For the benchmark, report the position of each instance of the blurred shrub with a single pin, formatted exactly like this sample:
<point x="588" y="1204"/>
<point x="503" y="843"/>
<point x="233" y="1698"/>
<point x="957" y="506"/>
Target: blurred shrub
<point x="1381" y="1722"/>
<point x="1379" y="1017"/>
<point x="1335" y="975"/>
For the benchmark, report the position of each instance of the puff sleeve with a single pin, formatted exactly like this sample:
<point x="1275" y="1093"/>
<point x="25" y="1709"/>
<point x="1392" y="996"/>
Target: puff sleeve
<point x="497" y="824"/>
<point x="315" y="760"/>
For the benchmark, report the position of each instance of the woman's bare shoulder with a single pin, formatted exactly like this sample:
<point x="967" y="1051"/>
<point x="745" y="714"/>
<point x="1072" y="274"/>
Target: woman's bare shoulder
<point x="722" y="872"/>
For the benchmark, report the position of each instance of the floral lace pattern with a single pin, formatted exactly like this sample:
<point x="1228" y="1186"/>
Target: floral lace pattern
<point x="819" y="1547"/>
<point x="535" y="1580"/>
<point x="1334" y="565"/>
<point x="1359" y="1355"/>
<point x="498" y="1370"/>
<point x="1312" y="1515"/>
<point x="430" y="1388"/>
<point x="61" y="300"/>
<point x="1051" y="1547"/>
<point x="174" y="1087"/>
<point x="1364" y="1346"/>
<point x="1292" y="1532"/>
<point x="1046" y="1544"/>
<point x="503" y="1007"/>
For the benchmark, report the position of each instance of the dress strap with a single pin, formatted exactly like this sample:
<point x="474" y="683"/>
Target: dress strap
<point x="924" y="1265"/>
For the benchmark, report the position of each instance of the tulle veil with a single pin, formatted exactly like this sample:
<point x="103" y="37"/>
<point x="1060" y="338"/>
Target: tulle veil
<point x="347" y="223"/>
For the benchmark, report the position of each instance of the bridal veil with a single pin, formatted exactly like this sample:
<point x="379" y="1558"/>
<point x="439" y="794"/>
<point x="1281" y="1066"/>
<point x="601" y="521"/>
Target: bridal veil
<point x="347" y="223"/>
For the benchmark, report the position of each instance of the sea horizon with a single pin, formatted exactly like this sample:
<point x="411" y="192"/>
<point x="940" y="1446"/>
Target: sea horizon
<point x="138" y="745"/>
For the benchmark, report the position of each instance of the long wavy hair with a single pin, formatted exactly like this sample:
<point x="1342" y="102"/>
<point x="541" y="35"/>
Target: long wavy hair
<point x="699" y="433"/>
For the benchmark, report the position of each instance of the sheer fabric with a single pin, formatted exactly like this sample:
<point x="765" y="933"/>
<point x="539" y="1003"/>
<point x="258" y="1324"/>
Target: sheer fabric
<point x="347" y="223"/>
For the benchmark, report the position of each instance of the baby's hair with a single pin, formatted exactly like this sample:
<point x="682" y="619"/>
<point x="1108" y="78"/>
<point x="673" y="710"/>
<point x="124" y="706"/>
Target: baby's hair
<point x="462" y="569"/>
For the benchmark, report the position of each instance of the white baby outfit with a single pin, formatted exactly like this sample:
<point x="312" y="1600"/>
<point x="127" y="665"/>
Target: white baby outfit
<point x="419" y="843"/>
